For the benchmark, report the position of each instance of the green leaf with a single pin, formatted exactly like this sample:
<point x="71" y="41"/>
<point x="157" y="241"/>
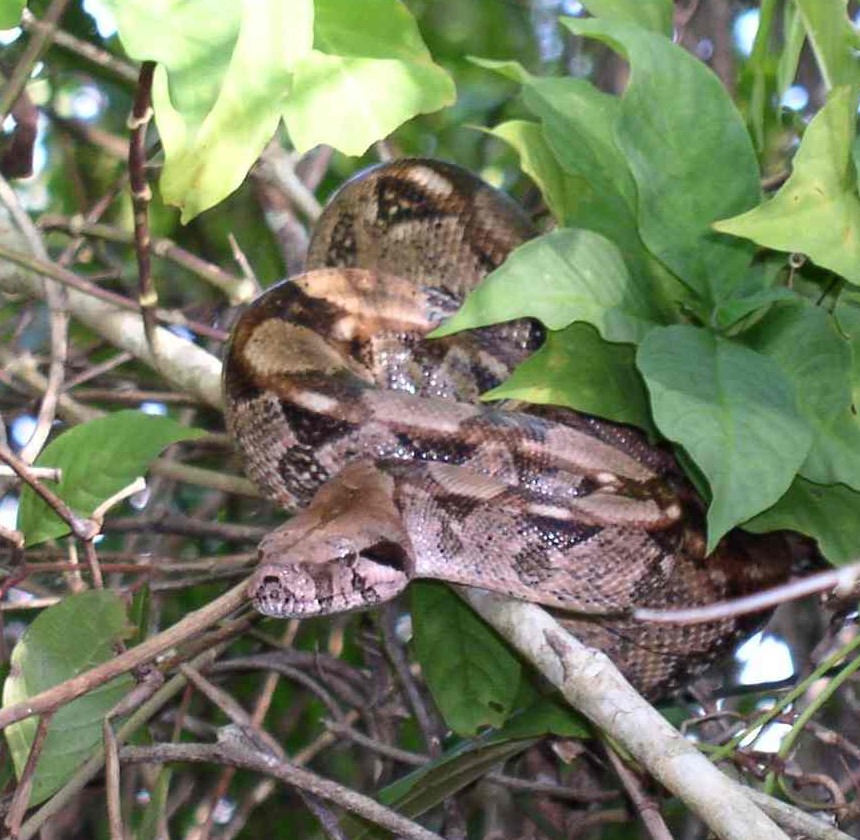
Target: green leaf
<point x="223" y="73"/>
<point x="560" y="190"/>
<point x="833" y="38"/>
<point x="655" y="15"/>
<point x="733" y="411"/>
<point x="804" y="341"/>
<point x="10" y="13"/>
<point x="417" y="792"/>
<point x="595" y="190"/>
<point x="830" y="514"/>
<point x="470" y="672"/>
<point x="63" y="641"/>
<point x="368" y="73"/>
<point x="426" y="787"/>
<point x="559" y="278"/>
<point x="817" y="211"/>
<point x="576" y="368"/>
<point x="546" y="716"/>
<point x="789" y="56"/>
<point x="683" y="186"/>
<point x="729" y="312"/>
<point x="98" y="459"/>
<point x="848" y="317"/>
<point x="206" y="162"/>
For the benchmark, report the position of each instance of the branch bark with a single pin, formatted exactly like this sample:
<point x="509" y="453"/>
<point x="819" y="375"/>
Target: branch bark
<point x="187" y="366"/>
<point x="593" y="686"/>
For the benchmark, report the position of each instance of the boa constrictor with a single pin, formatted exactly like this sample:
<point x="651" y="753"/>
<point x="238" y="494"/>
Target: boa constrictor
<point x="345" y="413"/>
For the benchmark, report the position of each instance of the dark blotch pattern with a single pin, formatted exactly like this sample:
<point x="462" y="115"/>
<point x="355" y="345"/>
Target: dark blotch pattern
<point x="447" y="450"/>
<point x="398" y="200"/>
<point x="301" y="472"/>
<point x="312" y="429"/>
<point x="342" y="250"/>
<point x="558" y="534"/>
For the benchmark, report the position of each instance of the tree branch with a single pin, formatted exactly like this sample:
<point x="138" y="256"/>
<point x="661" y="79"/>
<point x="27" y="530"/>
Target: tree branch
<point x="593" y="686"/>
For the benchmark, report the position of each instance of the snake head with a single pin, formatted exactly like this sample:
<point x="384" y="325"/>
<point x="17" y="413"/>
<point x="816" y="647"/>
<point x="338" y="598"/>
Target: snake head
<point x="347" y="550"/>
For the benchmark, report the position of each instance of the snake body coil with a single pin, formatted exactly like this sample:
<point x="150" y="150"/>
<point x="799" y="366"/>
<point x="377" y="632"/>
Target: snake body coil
<point x="347" y="414"/>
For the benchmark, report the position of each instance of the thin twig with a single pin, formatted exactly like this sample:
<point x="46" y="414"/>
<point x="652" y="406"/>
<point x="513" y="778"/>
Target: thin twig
<point x="58" y="323"/>
<point x="21" y="799"/>
<point x="99" y="369"/>
<point x="235" y="750"/>
<point x="138" y="122"/>
<point x="843" y="581"/>
<point x="67" y="691"/>
<point x="645" y="805"/>
<point x="112" y="774"/>
<point x="81" y="527"/>
<point x="39" y="42"/>
<point x="74" y="281"/>
<point x="275" y="164"/>
<point x="238" y="289"/>
<point x="186" y="527"/>
<point x="213" y="479"/>
<point x="42" y="473"/>
<point x="417" y="760"/>
<point x="93" y="765"/>
<point x="90" y="52"/>
<point x="430" y="729"/>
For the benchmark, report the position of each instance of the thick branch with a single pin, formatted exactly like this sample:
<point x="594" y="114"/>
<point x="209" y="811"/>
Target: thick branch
<point x="593" y="686"/>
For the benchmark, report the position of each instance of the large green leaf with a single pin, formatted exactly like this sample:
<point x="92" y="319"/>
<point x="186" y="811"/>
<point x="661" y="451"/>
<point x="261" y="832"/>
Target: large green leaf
<point x="833" y="38"/>
<point x="561" y="191"/>
<point x="683" y="186"/>
<point x="224" y="70"/>
<point x="817" y="211"/>
<point x="470" y="672"/>
<point x="62" y="642"/>
<point x="559" y="278"/>
<point x="369" y="72"/>
<point x="338" y="72"/>
<point x="648" y="14"/>
<point x="733" y="411"/>
<point x="847" y="315"/>
<point x="830" y="514"/>
<point x="594" y="189"/>
<point x="805" y="342"/>
<point x="205" y="162"/>
<point x="578" y="369"/>
<point x="98" y="459"/>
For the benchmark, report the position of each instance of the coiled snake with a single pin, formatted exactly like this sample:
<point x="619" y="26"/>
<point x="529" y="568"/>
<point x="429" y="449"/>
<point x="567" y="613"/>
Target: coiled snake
<point x="347" y="414"/>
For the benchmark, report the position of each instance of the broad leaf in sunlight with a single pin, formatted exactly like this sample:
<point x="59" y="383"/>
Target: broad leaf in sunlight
<point x="817" y="211"/>
<point x="368" y="73"/>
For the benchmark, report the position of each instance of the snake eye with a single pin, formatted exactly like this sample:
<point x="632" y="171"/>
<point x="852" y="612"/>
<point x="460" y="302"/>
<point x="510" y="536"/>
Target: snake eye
<point x="387" y="553"/>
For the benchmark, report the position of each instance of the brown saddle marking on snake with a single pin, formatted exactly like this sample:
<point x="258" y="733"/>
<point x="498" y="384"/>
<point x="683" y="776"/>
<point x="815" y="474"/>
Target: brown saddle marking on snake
<point x="347" y="414"/>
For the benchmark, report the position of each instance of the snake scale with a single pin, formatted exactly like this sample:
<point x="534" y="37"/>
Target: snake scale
<point x="347" y="414"/>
